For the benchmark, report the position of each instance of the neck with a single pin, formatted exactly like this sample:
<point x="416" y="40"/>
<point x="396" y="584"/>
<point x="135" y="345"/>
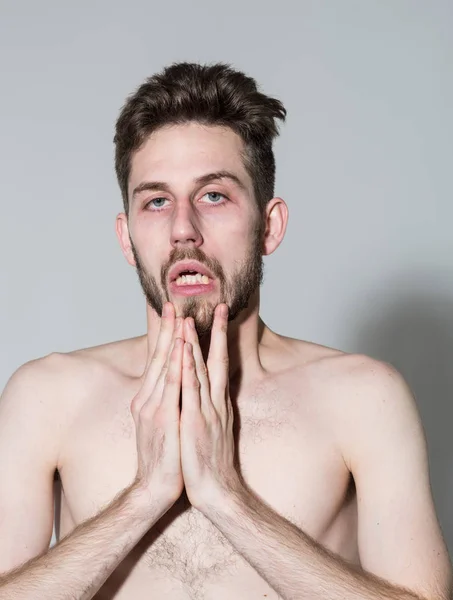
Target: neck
<point x="244" y="334"/>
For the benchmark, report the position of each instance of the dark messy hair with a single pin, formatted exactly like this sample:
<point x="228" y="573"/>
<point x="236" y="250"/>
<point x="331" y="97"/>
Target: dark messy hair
<point x="211" y="95"/>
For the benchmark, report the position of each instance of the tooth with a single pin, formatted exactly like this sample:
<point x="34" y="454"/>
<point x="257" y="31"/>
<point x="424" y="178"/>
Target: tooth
<point x="192" y="279"/>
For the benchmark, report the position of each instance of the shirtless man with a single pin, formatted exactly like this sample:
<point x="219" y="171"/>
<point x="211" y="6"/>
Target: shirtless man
<point x="221" y="461"/>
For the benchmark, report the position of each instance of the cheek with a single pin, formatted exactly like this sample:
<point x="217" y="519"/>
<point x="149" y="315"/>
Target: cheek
<point x="149" y="239"/>
<point x="234" y="231"/>
<point x="145" y="226"/>
<point x="242" y="238"/>
<point x="149" y="259"/>
<point x="233" y="240"/>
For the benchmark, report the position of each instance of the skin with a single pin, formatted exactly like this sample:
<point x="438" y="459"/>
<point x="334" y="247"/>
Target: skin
<point x="229" y="472"/>
<point x="186" y="229"/>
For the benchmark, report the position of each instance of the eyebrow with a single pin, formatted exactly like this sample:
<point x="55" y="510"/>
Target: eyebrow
<point x="199" y="181"/>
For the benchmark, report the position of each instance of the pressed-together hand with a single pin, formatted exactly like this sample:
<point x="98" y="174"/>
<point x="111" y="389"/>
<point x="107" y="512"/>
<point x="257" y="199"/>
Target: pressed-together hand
<point x="193" y="447"/>
<point x="155" y="410"/>
<point x="206" y="426"/>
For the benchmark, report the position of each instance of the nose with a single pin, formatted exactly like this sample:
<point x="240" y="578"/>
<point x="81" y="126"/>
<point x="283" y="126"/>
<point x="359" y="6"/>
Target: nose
<point x="185" y="231"/>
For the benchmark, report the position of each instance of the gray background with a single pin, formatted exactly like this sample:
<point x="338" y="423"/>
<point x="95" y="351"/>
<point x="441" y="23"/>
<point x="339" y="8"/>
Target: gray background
<point x="364" y="162"/>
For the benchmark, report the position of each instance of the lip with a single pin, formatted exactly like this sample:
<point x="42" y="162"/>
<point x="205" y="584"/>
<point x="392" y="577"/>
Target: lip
<point x="188" y="265"/>
<point x="192" y="290"/>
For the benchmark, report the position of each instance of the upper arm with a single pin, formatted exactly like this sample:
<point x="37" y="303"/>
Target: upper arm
<point x="28" y="457"/>
<point x="398" y="532"/>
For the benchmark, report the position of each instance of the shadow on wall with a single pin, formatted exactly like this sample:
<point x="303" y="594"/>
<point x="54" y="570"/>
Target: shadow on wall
<point x="413" y="330"/>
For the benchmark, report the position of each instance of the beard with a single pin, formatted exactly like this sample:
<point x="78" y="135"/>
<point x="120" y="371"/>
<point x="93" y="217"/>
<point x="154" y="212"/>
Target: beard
<point x="235" y="291"/>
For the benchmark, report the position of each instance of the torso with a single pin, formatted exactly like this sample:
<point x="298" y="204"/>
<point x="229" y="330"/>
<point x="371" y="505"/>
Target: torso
<point x="288" y="455"/>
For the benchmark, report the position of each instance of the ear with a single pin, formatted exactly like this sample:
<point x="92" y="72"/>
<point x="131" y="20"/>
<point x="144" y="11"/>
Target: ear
<point x="276" y="219"/>
<point x="122" y="232"/>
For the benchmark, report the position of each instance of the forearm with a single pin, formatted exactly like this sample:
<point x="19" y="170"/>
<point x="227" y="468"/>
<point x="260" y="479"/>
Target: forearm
<point x="80" y="563"/>
<point x="291" y="562"/>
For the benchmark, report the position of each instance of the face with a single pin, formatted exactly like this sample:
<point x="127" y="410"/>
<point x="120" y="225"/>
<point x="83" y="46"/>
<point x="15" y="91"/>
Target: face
<point x="191" y="199"/>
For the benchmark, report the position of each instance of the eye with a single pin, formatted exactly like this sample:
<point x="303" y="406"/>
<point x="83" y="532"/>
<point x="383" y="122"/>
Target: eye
<point x="159" y="203"/>
<point x="216" y="197"/>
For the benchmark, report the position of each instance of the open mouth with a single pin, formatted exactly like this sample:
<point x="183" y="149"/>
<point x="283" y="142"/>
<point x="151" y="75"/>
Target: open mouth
<point x="191" y="278"/>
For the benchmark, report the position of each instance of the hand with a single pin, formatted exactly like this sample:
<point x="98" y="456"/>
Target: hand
<point x="156" y="414"/>
<point x="206" y="428"/>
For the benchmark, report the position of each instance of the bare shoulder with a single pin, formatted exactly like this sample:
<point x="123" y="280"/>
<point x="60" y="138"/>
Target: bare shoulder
<point x="123" y="358"/>
<point x="355" y="394"/>
<point x="362" y="383"/>
<point x="54" y="386"/>
<point x="33" y="382"/>
<point x="367" y="405"/>
<point x="353" y="376"/>
<point x="35" y="408"/>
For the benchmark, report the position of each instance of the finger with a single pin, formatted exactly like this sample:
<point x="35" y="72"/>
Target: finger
<point x="169" y="377"/>
<point x="151" y="376"/>
<point x="191" y="400"/>
<point x="229" y="406"/>
<point x="173" y="379"/>
<point x="167" y="325"/>
<point x="218" y="360"/>
<point x="161" y="377"/>
<point x="178" y="332"/>
<point x="190" y="335"/>
<point x="171" y="329"/>
<point x="158" y="360"/>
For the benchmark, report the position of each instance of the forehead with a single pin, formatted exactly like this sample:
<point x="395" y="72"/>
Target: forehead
<point x="177" y="154"/>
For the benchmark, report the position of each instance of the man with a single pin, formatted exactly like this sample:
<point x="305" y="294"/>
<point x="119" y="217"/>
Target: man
<point x="212" y="457"/>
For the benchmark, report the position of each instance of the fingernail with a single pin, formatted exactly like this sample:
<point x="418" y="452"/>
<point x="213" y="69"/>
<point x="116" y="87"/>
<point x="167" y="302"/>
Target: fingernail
<point x="224" y="310"/>
<point x="191" y="323"/>
<point x="166" y="310"/>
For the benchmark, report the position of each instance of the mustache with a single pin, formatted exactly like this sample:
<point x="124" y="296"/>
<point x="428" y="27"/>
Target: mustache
<point x="180" y="254"/>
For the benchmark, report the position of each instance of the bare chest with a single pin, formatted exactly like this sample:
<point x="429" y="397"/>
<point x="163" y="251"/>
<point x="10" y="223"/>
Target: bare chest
<point x="286" y="455"/>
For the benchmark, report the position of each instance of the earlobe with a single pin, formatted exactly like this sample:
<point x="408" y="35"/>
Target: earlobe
<point x="276" y="221"/>
<point x="122" y="232"/>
